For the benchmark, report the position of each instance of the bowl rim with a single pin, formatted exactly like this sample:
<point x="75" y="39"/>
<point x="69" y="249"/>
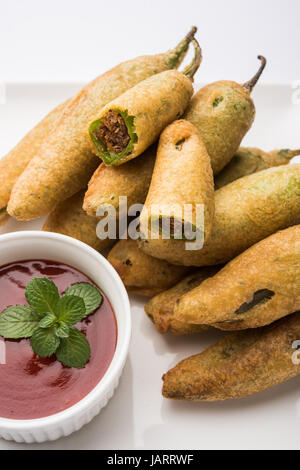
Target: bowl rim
<point x="120" y="355"/>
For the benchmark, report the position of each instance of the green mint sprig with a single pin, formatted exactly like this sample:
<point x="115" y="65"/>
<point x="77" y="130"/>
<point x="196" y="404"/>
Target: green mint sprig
<point x="49" y="320"/>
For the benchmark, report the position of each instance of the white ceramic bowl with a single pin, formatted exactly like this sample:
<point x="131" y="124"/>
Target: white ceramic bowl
<point x="55" y="247"/>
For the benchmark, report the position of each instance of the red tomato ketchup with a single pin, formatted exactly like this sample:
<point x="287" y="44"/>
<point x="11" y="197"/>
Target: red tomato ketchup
<point x="33" y="387"/>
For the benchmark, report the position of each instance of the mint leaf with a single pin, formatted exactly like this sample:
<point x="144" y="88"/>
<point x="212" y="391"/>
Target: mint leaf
<point x="75" y="350"/>
<point x="42" y="295"/>
<point x="62" y="331"/>
<point x="18" y="322"/>
<point x="44" y="342"/>
<point x="70" y="309"/>
<point x="89" y="293"/>
<point x="48" y="320"/>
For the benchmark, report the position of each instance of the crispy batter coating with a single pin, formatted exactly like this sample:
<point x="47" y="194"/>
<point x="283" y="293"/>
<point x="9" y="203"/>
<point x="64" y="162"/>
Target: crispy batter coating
<point x="251" y="160"/>
<point x="70" y="219"/>
<point x="258" y="287"/>
<point x="182" y="175"/>
<point x="239" y="365"/>
<point x="246" y="211"/>
<point x="109" y="183"/>
<point x="281" y="157"/>
<point x="3" y="216"/>
<point x="140" y="273"/>
<point x="151" y="105"/>
<point x="14" y="163"/>
<point x="223" y="112"/>
<point x="160" y="309"/>
<point x="66" y="162"/>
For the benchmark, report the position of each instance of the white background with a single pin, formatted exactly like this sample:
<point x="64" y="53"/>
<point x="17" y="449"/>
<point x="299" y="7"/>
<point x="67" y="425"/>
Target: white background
<point x="73" y="41"/>
<point x="78" y="39"/>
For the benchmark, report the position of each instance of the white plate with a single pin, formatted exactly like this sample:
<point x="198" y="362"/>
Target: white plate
<point x="137" y="416"/>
